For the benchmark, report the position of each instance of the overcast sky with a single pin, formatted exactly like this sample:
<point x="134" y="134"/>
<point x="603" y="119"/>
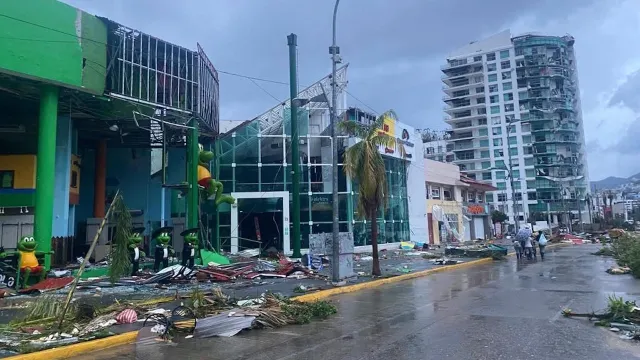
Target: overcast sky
<point x="395" y="49"/>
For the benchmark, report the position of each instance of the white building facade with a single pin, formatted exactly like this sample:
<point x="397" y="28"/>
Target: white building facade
<point x="514" y="109"/>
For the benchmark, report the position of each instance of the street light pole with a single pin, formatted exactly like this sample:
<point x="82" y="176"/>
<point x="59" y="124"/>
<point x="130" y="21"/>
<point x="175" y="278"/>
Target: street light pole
<point x="334" y="50"/>
<point x="513" y="190"/>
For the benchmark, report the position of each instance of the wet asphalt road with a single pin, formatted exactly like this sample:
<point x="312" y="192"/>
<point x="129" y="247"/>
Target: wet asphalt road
<point x="501" y="310"/>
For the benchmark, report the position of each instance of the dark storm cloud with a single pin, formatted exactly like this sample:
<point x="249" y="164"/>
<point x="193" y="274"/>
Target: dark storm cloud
<point x="249" y="37"/>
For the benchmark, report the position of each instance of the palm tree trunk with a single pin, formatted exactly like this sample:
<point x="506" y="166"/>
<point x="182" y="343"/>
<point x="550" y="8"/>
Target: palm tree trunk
<point x="374" y="246"/>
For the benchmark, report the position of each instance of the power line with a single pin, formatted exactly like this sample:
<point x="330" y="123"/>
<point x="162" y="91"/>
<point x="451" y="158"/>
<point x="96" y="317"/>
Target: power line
<point x="265" y="91"/>
<point x="253" y="78"/>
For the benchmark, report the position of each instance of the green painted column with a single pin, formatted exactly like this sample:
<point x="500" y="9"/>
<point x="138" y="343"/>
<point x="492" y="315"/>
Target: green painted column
<point x="295" y="147"/>
<point x="216" y="241"/>
<point x="45" y="170"/>
<point x="192" y="175"/>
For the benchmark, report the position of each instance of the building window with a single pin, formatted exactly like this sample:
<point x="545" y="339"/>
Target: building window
<point x="491" y="67"/>
<point x="446" y="194"/>
<point x="482" y="122"/>
<point x="513" y="151"/>
<point x="494" y="99"/>
<point x="486" y="164"/>
<point x="500" y="164"/>
<point x="435" y="193"/>
<point x="484" y="143"/>
<point x="493" y="77"/>
<point x="530" y="173"/>
<point x="516" y="174"/>
<point x="508" y="107"/>
<point x="480" y="90"/>
<point x="483" y="132"/>
<point x="507" y="97"/>
<point x="495" y="109"/>
<point x="491" y="57"/>
<point x="532" y="196"/>
<point x="505" y="64"/>
<point x="502" y="197"/>
<point x="507" y="86"/>
<point x="504" y="54"/>
<point x="498" y="153"/>
<point x="488" y="198"/>
<point x="6" y="179"/>
<point x="517" y="185"/>
<point x="430" y="151"/>
<point x="528" y="162"/>
<point x="497" y="142"/>
<point x="493" y="88"/>
<point x="496" y="130"/>
<point x="501" y="186"/>
<point x="526" y="139"/>
<point x="531" y="184"/>
<point x="500" y="175"/>
<point x="513" y="140"/>
<point x="525" y="127"/>
<point x="439" y="149"/>
<point x="485" y="154"/>
<point x="477" y="58"/>
<point x="518" y="197"/>
<point x="480" y="100"/>
<point x="486" y="176"/>
<point x="495" y="120"/>
<point x="506" y="75"/>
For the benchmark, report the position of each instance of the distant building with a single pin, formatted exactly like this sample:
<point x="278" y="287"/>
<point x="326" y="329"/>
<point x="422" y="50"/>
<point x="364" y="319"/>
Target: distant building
<point x="514" y="107"/>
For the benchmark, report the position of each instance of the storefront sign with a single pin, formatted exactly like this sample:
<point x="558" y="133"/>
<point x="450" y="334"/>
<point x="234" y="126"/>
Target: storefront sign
<point x="321" y="203"/>
<point x="402" y="144"/>
<point x="476" y="209"/>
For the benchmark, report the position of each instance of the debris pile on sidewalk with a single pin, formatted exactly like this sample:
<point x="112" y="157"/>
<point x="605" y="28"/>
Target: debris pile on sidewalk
<point x="622" y="316"/>
<point x="480" y="250"/>
<point x="217" y="314"/>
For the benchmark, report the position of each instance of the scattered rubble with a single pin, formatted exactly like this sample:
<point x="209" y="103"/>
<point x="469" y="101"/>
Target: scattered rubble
<point x="622" y="316"/>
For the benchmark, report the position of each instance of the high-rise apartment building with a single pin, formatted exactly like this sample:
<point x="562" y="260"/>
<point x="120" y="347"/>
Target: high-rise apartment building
<point x="513" y="104"/>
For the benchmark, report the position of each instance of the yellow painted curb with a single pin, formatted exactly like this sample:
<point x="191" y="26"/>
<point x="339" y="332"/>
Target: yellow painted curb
<point x="375" y="283"/>
<point x="323" y="294"/>
<point x="65" y="352"/>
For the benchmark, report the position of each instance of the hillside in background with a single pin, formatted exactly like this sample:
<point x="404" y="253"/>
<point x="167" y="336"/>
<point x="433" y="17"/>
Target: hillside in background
<point x="613" y="182"/>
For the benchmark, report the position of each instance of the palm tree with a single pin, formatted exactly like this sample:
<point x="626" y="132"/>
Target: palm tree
<point x="364" y="164"/>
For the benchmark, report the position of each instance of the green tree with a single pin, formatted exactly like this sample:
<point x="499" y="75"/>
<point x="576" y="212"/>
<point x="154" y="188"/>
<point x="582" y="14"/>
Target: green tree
<point x="498" y="217"/>
<point x="364" y="164"/>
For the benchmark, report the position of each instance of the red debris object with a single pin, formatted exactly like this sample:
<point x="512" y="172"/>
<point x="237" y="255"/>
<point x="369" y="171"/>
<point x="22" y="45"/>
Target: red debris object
<point x="48" y="285"/>
<point x="127" y="316"/>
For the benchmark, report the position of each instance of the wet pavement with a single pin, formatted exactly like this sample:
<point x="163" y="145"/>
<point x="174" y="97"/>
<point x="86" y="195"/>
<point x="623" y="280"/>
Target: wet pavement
<point x="501" y="310"/>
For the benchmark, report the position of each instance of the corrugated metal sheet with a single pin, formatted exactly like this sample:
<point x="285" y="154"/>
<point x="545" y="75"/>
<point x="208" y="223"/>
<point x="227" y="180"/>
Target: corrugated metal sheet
<point x="223" y="325"/>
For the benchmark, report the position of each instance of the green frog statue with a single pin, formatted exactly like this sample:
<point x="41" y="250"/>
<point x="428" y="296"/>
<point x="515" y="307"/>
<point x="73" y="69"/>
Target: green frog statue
<point x="191" y="244"/>
<point x="163" y="249"/>
<point x="27" y="259"/>
<point x="135" y="239"/>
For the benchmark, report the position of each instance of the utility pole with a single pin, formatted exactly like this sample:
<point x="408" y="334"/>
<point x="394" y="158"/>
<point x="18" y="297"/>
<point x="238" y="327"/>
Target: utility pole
<point x="292" y="41"/>
<point x="580" y="214"/>
<point x="334" y="50"/>
<point x="513" y="190"/>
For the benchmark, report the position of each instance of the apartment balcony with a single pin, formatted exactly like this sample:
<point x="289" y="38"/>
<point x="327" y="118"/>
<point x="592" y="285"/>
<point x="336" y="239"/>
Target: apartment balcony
<point x="451" y="109"/>
<point x="453" y="80"/>
<point x="469" y="84"/>
<point x="459" y="64"/>
<point x="461" y="137"/>
<point x="451" y="119"/>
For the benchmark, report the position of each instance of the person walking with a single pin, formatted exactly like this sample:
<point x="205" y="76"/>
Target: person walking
<point x="524" y="236"/>
<point x="528" y="248"/>
<point x="518" y="249"/>
<point x="542" y="242"/>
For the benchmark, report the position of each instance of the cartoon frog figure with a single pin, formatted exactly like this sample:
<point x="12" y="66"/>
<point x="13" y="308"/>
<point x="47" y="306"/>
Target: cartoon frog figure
<point x="163" y="249"/>
<point x="135" y="239"/>
<point x="190" y="247"/>
<point x="27" y="260"/>
<point x="211" y="186"/>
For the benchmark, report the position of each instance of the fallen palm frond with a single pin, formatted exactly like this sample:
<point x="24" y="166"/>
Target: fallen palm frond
<point x="618" y="310"/>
